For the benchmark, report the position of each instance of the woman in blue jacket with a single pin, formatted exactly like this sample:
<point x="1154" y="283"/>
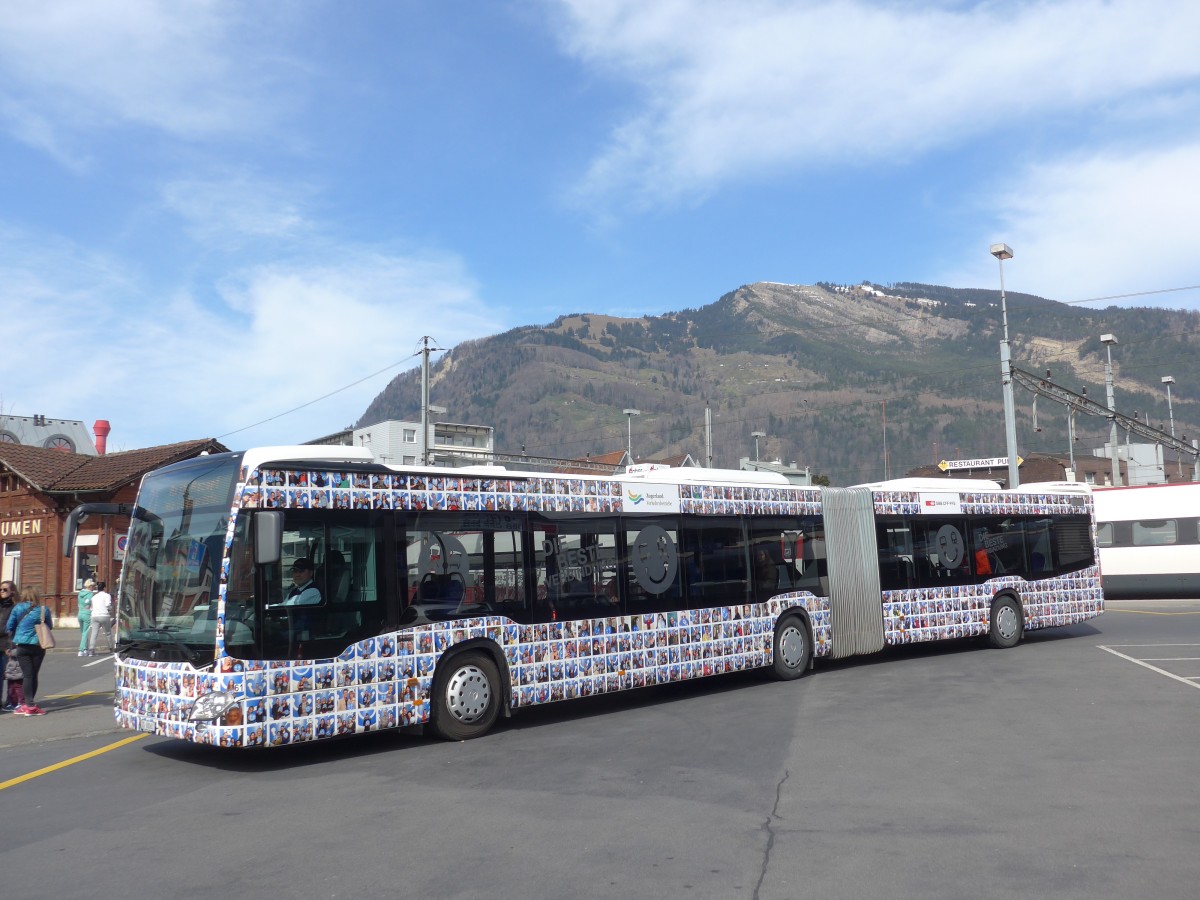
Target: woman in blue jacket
<point x="26" y="648"/>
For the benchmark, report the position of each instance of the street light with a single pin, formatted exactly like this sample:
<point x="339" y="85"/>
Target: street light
<point x="1003" y="252"/>
<point x="629" y="439"/>
<point x="1169" y="380"/>
<point x="1108" y="340"/>
<point x="756" y="435"/>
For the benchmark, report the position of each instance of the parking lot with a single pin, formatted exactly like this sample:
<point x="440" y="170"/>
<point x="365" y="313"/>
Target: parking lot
<point x="1062" y="768"/>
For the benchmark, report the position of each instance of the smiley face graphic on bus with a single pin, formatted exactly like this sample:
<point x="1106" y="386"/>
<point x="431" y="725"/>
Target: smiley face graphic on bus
<point x="654" y="559"/>
<point x="950" y="547"/>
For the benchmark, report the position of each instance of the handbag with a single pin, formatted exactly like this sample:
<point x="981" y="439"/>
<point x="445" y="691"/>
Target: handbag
<point x="45" y="634"/>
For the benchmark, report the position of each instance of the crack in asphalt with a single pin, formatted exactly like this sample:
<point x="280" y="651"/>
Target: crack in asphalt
<point x="767" y="826"/>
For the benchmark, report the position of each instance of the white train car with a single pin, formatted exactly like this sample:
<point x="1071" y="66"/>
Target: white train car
<point x="1149" y="540"/>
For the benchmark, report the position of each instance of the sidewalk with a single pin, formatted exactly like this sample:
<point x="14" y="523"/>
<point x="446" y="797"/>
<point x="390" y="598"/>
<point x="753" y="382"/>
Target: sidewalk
<point x="66" y="638"/>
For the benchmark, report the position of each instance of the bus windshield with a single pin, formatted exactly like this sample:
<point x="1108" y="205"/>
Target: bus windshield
<point x="168" y="599"/>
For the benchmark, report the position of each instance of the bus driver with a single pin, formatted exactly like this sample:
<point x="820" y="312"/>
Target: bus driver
<point x="304" y="591"/>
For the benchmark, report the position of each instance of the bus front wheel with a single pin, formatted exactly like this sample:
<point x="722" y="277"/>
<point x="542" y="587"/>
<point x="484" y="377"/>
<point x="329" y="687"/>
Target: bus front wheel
<point x="793" y="649"/>
<point x="466" y="697"/>
<point x="1007" y="623"/>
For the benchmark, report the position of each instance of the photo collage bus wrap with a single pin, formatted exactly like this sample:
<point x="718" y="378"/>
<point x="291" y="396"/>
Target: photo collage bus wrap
<point x="451" y="597"/>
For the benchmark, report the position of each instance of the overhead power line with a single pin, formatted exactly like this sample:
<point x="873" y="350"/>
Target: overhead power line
<point x="332" y="393"/>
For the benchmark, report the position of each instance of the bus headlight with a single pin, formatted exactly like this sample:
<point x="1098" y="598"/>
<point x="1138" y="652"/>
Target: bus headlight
<point x="212" y="706"/>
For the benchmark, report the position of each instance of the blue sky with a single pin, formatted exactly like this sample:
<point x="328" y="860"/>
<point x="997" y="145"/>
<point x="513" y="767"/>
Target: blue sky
<point x="215" y="212"/>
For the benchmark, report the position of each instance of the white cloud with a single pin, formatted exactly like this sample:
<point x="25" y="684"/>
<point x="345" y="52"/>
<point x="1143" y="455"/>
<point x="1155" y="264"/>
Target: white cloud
<point x="1095" y="225"/>
<point x="730" y="90"/>
<point x="224" y="211"/>
<point x="190" y="69"/>
<point x="275" y="337"/>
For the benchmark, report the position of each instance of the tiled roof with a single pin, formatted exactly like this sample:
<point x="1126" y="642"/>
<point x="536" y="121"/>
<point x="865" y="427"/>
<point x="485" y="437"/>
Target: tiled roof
<point x="53" y="471"/>
<point x="680" y="460"/>
<point x="615" y="458"/>
<point x="593" y="464"/>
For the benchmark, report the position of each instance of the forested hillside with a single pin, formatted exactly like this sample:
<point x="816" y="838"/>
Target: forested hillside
<point x="817" y="368"/>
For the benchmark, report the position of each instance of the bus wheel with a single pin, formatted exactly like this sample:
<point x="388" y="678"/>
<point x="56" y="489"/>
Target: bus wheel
<point x="1007" y="625"/>
<point x="466" y="697"/>
<point x="793" y="649"/>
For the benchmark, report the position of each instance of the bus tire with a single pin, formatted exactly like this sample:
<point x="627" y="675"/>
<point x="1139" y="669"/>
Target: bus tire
<point x="1007" y="623"/>
<point x="792" y="649"/>
<point x="466" y="696"/>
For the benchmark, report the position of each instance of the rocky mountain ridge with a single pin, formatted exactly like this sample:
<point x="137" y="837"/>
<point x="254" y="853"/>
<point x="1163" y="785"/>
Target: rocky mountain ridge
<point x="837" y="377"/>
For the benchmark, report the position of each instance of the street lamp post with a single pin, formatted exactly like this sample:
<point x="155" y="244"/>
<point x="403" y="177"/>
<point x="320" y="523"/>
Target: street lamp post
<point x="1129" y="470"/>
<point x="1108" y="340"/>
<point x="630" y="413"/>
<point x="1003" y="252"/>
<point x="1071" y="439"/>
<point x="1169" y="380"/>
<point x="756" y="435"/>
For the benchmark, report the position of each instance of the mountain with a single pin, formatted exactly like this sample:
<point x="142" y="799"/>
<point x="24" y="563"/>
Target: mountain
<point x="818" y="369"/>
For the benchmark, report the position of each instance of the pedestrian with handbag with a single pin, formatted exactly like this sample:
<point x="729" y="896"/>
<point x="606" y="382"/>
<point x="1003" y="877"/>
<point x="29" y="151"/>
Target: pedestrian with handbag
<point x="31" y="626"/>
<point x="8" y="598"/>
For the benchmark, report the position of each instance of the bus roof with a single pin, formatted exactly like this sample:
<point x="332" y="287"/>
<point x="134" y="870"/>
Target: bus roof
<point x="933" y="484"/>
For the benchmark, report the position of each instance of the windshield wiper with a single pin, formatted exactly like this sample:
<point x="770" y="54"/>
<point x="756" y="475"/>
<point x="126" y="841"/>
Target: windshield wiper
<point x="142" y="644"/>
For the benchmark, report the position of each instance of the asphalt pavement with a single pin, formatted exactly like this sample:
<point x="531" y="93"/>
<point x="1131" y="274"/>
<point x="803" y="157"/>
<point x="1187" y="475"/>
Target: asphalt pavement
<point x="76" y="693"/>
<point x="1061" y="768"/>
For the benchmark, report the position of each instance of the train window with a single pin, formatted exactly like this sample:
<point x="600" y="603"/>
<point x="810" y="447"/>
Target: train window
<point x="1155" y="533"/>
<point x="1104" y="534"/>
<point x="1189" y="531"/>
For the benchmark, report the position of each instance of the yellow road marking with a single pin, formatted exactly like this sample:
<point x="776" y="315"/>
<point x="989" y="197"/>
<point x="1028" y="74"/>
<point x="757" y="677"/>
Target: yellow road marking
<point x="69" y="762"/>
<point x="1150" y="612"/>
<point x="72" y="696"/>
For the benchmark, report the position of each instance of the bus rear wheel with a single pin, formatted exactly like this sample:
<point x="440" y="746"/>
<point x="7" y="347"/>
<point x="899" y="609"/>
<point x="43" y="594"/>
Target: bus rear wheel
<point x="793" y="649"/>
<point x="1007" y="623"/>
<point x="466" y="697"/>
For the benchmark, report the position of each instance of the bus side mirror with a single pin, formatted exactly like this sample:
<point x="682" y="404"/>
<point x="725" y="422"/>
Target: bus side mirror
<point x="268" y="537"/>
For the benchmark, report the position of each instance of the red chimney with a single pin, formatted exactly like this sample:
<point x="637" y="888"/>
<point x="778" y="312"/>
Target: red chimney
<point x="101" y="428"/>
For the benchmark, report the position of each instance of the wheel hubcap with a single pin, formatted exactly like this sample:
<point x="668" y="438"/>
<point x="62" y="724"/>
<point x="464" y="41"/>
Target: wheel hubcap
<point x="791" y="646"/>
<point x="468" y="694"/>
<point x="1006" y="622"/>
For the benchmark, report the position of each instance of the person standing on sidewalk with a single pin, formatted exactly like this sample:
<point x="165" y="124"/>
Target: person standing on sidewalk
<point x="26" y="648"/>
<point x="85" y="614"/>
<point x="8" y="597"/>
<point x="102" y="618"/>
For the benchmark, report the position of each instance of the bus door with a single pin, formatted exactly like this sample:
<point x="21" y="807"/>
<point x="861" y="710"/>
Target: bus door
<point x="855" y="600"/>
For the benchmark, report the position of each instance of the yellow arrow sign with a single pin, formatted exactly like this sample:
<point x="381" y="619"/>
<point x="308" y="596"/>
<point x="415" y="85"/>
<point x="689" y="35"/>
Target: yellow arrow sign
<point x="994" y="462"/>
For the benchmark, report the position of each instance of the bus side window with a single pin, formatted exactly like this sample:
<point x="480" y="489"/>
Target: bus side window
<point x="894" y="540"/>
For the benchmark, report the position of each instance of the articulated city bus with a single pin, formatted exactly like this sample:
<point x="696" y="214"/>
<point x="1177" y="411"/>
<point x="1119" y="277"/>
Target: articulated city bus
<point x="285" y="595"/>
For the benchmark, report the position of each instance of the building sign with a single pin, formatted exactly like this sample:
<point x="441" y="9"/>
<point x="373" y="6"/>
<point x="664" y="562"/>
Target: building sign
<point x="994" y="462"/>
<point x="18" y="527"/>
<point x="650" y="498"/>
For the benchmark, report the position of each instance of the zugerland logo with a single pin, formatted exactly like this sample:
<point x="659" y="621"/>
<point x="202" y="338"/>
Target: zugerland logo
<point x="651" y="498"/>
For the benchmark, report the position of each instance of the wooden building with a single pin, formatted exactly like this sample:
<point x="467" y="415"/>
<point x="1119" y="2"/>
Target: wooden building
<point x="38" y="489"/>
